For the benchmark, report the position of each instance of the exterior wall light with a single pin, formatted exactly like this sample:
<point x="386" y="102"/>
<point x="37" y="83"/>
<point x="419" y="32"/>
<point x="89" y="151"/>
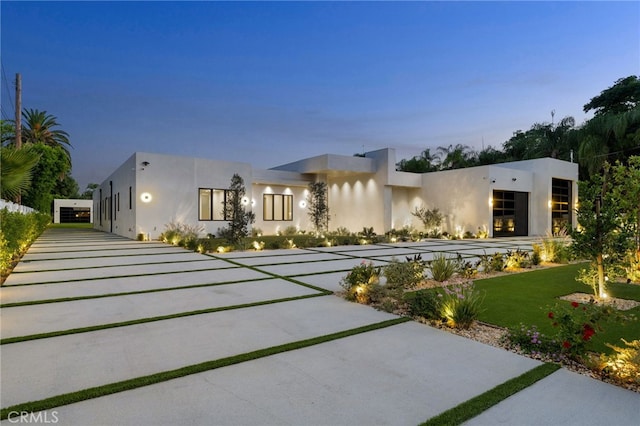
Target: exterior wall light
<point x="145" y="197"/>
<point x="549" y="204"/>
<point x="302" y="204"/>
<point x="245" y="201"/>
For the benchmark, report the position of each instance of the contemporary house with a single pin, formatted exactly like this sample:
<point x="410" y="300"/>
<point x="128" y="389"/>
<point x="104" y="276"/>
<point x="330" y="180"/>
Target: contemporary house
<point x="149" y="191"/>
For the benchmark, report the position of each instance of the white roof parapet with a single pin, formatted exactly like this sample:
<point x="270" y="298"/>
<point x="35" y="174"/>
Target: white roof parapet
<point x="280" y="177"/>
<point x="331" y="164"/>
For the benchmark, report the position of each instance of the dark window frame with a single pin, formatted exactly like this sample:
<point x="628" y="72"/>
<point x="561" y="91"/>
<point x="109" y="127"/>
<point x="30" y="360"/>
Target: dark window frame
<point x="274" y="217"/>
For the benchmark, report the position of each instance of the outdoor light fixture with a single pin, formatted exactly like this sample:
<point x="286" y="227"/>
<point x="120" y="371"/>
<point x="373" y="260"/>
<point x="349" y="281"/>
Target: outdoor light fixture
<point x="145" y="197"/>
<point x="245" y="201"/>
<point x="145" y="163"/>
<point x="302" y="204"/>
<point x="549" y="204"/>
<point x="514" y="179"/>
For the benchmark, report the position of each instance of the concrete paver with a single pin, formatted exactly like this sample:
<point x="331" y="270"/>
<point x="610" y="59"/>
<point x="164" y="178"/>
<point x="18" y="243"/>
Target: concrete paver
<point x="403" y="374"/>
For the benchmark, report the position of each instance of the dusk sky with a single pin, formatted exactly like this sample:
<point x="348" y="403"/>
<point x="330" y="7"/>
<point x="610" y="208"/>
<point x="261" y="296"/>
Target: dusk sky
<point x="269" y="83"/>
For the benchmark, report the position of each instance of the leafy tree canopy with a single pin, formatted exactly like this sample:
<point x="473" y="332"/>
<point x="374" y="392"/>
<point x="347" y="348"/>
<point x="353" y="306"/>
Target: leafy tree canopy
<point x="51" y="169"/>
<point x="623" y="96"/>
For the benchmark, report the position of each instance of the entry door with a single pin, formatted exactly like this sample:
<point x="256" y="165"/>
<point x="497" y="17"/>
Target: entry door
<point x="510" y="213"/>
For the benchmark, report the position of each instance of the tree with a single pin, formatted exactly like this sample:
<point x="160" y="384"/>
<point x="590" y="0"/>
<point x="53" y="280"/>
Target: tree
<point x="39" y="128"/>
<point x="318" y="206"/>
<point x="623" y="96"/>
<point x="8" y="131"/>
<point x="608" y="137"/>
<point x="603" y="236"/>
<point x="456" y="157"/>
<point x="490" y="155"/>
<point x="88" y="192"/>
<point x="239" y="219"/>
<point x="425" y="162"/>
<point x="431" y="219"/>
<point x="66" y="188"/>
<point x="16" y="170"/>
<point x="51" y="168"/>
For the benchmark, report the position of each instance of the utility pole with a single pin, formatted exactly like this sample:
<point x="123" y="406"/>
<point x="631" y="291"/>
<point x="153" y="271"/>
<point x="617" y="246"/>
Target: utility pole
<point x="18" y="111"/>
<point x="18" y="121"/>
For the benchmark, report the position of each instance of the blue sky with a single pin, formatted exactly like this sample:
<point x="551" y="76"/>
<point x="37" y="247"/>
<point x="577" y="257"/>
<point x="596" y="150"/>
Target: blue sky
<point x="272" y="82"/>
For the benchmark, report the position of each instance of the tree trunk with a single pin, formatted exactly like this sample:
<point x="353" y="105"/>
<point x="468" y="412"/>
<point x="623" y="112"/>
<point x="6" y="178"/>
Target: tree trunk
<point x="601" y="280"/>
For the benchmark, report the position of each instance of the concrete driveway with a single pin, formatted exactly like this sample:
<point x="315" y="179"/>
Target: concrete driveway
<point x="87" y="310"/>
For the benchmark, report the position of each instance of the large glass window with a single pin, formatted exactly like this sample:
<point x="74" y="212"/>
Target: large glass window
<point x="560" y="205"/>
<point x="504" y="212"/>
<point x="277" y="207"/>
<point x="211" y="204"/>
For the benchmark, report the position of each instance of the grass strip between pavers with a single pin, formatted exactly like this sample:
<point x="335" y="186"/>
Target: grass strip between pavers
<point x="282" y="277"/>
<point x="126" y="293"/>
<point x="99" y="391"/>
<point x="114" y="276"/>
<point x="18" y="339"/>
<point x="473" y="407"/>
<point x="79" y="268"/>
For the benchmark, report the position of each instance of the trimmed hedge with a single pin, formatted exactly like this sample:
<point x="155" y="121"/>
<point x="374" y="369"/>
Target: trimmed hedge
<point x="17" y="232"/>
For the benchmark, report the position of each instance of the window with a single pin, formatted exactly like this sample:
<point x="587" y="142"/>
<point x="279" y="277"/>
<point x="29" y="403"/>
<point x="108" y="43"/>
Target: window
<point x="560" y="205"/>
<point x="130" y="194"/>
<point x="211" y="204"/>
<point x="504" y="212"/>
<point x="277" y="207"/>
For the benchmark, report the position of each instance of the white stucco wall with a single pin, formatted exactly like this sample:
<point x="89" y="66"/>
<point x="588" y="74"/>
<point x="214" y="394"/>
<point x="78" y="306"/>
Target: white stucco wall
<point x="173" y="183"/>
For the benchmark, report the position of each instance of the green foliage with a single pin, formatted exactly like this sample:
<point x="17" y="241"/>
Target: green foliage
<point x="239" y="219"/>
<point x="577" y="324"/>
<point x="66" y="188"/>
<point x="604" y="236"/>
<point x="531" y="341"/>
<point x="38" y="128"/>
<point x="51" y="168"/>
<point x="426" y="304"/>
<point x="431" y="219"/>
<point x="623" y="96"/>
<point x="442" y="267"/>
<point x="491" y="263"/>
<point x="517" y="259"/>
<point x="16" y="170"/>
<point x="461" y="304"/>
<point x="318" y="205"/>
<point x="624" y="363"/>
<point x="465" y="268"/>
<point x="289" y="231"/>
<point x="17" y="233"/>
<point x="181" y="234"/>
<point x="405" y="275"/>
<point x="87" y="194"/>
<point x="359" y="282"/>
<point x="425" y="162"/>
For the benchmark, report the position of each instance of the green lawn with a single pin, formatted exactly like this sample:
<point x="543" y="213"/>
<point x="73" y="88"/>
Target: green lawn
<point x="72" y="225"/>
<point x="527" y="298"/>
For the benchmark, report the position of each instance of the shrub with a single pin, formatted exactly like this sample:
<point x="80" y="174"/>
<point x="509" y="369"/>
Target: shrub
<point x="289" y="231"/>
<point x="442" y="267"/>
<point x="461" y="305"/>
<point x="465" y="268"/>
<point x="431" y="219"/>
<point x="359" y="281"/>
<point x="256" y="232"/>
<point x="624" y="363"/>
<point x="554" y="248"/>
<point x="577" y="324"/>
<point x="531" y="341"/>
<point x="342" y="231"/>
<point x="181" y="234"/>
<point x="425" y="304"/>
<point x="517" y="259"/>
<point x="404" y="275"/>
<point x="18" y="232"/>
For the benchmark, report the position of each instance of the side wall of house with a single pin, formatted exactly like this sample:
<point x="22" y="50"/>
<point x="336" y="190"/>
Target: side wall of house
<point x="299" y="214"/>
<point x="165" y="189"/>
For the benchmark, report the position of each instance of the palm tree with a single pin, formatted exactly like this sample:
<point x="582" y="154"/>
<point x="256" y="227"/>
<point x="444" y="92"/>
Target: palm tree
<point x="38" y="128"/>
<point x="609" y="137"/>
<point x="16" y="171"/>
<point x="456" y="157"/>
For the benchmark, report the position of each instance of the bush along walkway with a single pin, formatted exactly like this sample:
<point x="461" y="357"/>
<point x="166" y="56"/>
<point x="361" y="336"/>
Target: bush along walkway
<point x="255" y="339"/>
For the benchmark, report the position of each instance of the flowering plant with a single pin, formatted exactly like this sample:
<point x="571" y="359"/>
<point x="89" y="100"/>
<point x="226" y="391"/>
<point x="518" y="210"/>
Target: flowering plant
<point x="576" y="325"/>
